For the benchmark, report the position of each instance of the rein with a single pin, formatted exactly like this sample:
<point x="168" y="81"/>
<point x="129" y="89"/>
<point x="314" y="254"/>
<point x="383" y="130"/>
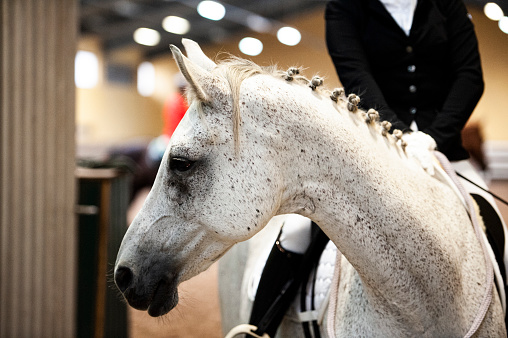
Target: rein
<point x="489" y="278"/>
<point x="499" y="198"/>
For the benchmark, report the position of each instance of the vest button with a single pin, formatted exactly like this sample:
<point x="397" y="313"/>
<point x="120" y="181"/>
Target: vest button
<point x="412" y="110"/>
<point x="409" y="49"/>
<point x="412" y="89"/>
<point x="411" y="68"/>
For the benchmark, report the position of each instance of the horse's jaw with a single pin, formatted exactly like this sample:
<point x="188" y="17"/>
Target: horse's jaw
<point x="154" y="259"/>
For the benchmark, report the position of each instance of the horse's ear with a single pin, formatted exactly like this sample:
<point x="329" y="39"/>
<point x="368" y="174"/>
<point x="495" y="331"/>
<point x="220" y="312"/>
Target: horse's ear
<point x="195" y="75"/>
<point x="196" y="55"/>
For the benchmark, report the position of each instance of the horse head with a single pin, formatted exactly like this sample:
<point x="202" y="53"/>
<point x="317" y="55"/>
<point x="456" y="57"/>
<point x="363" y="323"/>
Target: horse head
<point x="208" y="194"/>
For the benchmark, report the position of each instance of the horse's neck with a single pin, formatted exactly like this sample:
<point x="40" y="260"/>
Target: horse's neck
<point x="382" y="213"/>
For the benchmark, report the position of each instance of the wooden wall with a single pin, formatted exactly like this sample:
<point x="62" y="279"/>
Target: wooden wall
<point x="37" y="186"/>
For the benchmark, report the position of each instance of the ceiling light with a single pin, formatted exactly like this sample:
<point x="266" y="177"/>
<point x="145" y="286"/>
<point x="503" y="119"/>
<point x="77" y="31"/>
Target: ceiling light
<point x="250" y="46"/>
<point x="289" y="36"/>
<point x="147" y="36"/>
<point x="176" y="25"/>
<point x="493" y="11"/>
<point x="211" y="10"/>
<point x="86" y="69"/>
<point x="503" y="24"/>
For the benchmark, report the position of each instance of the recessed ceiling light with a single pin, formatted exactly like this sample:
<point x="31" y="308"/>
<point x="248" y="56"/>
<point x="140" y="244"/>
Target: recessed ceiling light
<point x="493" y="11"/>
<point x="503" y="24"/>
<point x="250" y="46"/>
<point x="211" y="10"/>
<point x="147" y="36"/>
<point x="176" y="25"/>
<point x="289" y="36"/>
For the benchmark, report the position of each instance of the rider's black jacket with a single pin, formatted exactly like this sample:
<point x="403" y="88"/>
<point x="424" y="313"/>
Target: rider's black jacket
<point x="432" y="76"/>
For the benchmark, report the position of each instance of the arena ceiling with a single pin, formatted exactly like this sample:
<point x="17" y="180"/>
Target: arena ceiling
<point x="114" y="21"/>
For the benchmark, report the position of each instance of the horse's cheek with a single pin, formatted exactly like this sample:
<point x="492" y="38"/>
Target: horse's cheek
<point x="177" y="190"/>
<point x="186" y="194"/>
<point x="181" y="199"/>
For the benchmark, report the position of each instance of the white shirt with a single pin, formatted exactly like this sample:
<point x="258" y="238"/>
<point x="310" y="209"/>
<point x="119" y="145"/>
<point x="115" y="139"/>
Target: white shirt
<point x="402" y="12"/>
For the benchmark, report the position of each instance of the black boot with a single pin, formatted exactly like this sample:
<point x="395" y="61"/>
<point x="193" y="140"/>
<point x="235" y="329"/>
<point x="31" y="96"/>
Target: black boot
<point x="282" y="276"/>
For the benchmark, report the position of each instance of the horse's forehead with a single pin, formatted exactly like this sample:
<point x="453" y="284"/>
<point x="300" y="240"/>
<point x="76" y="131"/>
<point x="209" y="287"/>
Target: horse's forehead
<point x="200" y="128"/>
<point x="191" y="128"/>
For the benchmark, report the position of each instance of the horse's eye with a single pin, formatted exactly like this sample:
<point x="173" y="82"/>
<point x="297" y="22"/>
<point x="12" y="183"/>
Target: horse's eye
<point x="180" y="164"/>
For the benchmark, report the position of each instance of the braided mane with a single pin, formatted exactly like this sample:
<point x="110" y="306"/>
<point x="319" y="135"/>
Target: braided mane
<point x="235" y="70"/>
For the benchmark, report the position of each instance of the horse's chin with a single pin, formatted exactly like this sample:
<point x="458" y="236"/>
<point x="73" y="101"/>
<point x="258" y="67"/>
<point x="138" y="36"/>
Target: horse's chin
<point x="165" y="298"/>
<point x="159" y="302"/>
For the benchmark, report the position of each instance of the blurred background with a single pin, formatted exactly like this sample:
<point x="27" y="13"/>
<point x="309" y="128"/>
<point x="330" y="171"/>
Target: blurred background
<point x="87" y="96"/>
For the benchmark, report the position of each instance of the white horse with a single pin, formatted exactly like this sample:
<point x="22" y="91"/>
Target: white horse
<point x="256" y="143"/>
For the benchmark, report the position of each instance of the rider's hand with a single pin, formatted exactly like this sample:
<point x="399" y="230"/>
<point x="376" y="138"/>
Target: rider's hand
<point x="420" y="146"/>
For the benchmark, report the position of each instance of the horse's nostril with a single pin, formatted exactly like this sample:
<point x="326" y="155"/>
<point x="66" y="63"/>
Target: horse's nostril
<point x="123" y="278"/>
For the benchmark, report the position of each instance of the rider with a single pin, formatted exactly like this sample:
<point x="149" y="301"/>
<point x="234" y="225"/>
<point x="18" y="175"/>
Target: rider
<point x="417" y="62"/>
